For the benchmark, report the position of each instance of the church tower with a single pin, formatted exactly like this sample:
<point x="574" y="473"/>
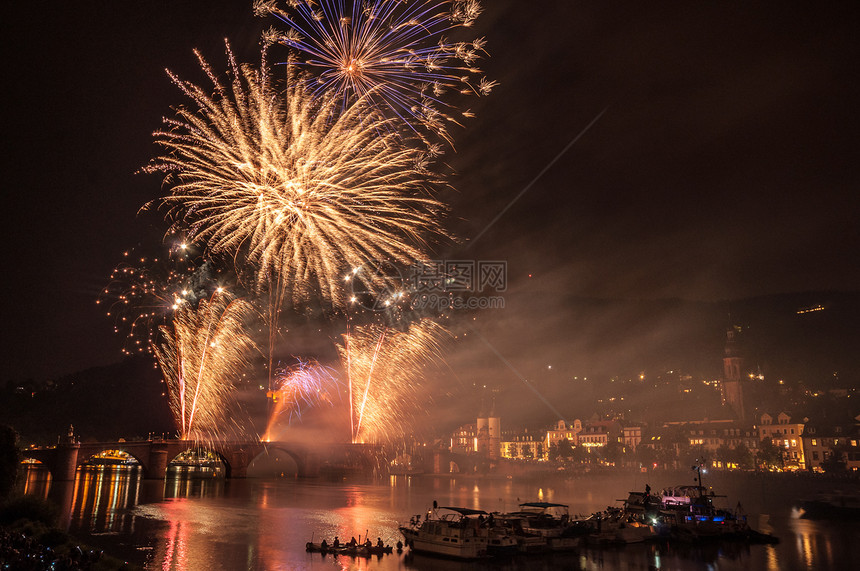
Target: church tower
<point x="494" y="432"/>
<point x="732" y="388"/>
<point x="483" y="430"/>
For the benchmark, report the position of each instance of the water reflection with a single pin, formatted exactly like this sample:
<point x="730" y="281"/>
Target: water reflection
<point x="192" y="520"/>
<point x="37" y="480"/>
<point x="192" y="484"/>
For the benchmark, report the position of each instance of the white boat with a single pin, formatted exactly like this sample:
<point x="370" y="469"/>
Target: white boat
<point x="543" y="518"/>
<point x="459" y="533"/>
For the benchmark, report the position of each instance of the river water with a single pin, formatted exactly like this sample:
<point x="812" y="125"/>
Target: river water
<point x="203" y="522"/>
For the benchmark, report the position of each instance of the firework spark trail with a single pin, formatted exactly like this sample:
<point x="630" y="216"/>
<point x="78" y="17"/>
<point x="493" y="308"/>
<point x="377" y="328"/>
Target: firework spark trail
<point x="385" y="368"/>
<point x="292" y="188"/>
<point x="304" y="384"/>
<point x="369" y="379"/>
<point x="201" y="354"/>
<point x="393" y="52"/>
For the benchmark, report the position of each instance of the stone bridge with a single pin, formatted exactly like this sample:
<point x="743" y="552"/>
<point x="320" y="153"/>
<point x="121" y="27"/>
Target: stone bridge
<point x="155" y="455"/>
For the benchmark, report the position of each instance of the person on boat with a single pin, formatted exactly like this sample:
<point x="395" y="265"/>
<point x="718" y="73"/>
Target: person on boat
<point x="379" y="542"/>
<point x="336" y="543"/>
<point x="367" y="543"/>
<point x="399" y="546"/>
<point x="324" y="545"/>
<point x="352" y="542"/>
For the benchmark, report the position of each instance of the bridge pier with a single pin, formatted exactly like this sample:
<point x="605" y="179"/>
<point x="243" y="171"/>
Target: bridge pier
<point x="66" y="461"/>
<point x="310" y="468"/>
<point x="157" y="465"/>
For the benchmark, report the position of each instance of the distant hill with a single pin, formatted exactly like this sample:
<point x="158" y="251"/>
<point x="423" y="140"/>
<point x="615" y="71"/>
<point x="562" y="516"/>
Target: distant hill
<point x="810" y="338"/>
<point x="103" y="403"/>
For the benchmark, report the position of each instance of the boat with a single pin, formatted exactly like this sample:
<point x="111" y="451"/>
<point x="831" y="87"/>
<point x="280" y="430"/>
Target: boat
<point x="687" y="513"/>
<point x="526" y="542"/>
<point x="353" y="550"/>
<point x="500" y="542"/>
<point x="543" y="518"/>
<point x="832" y="505"/>
<point x="618" y="526"/>
<point x="459" y="533"/>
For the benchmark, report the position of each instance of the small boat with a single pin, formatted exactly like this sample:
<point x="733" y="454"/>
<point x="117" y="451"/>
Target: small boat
<point x="459" y="533"/>
<point x="353" y="550"/>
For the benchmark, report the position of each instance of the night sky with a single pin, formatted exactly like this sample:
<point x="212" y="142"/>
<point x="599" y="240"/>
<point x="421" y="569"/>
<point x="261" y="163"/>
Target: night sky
<point x="722" y="163"/>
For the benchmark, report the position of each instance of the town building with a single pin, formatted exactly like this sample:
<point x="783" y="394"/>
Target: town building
<point x="524" y="447"/>
<point x="787" y="435"/>
<point x="832" y="447"/>
<point x="465" y="439"/>
<point x="563" y="431"/>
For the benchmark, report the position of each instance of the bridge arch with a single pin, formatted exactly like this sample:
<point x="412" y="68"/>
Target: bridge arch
<point x="88" y="455"/>
<point x="270" y="451"/>
<point x="196" y="449"/>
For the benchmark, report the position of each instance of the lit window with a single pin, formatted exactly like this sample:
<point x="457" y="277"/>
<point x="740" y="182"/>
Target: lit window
<point x="814" y="442"/>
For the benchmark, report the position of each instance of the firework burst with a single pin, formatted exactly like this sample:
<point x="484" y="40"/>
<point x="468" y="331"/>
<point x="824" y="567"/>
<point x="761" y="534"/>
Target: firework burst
<point x="305" y="384"/>
<point x="201" y="354"/>
<point x="392" y="52"/>
<point x="290" y="187"/>
<point x="384" y="368"/>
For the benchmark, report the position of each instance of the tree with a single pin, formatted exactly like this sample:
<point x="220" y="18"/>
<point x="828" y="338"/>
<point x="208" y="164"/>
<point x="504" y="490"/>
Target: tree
<point x="611" y="452"/>
<point x="527" y="452"/>
<point x="834" y="461"/>
<point x="769" y="454"/>
<point x="742" y="456"/>
<point x="565" y="450"/>
<point x="725" y="455"/>
<point x="9" y="459"/>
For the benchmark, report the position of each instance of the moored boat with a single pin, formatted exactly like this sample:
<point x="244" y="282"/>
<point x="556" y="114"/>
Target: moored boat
<point x="459" y="533"/>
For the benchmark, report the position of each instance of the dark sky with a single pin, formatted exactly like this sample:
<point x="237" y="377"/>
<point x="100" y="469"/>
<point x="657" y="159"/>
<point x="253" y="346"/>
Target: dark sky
<point x="724" y="164"/>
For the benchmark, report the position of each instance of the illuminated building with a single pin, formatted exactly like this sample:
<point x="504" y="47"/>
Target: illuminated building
<point x="563" y="431"/>
<point x="465" y="439"/>
<point x="787" y="436"/>
<point x="523" y="447"/>
<point x="829" y="447"/>
<point x="488" y="428"/>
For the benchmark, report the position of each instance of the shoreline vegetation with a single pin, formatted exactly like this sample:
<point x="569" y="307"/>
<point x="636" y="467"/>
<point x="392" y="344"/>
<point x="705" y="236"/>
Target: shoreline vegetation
<point x="30" y="539"/>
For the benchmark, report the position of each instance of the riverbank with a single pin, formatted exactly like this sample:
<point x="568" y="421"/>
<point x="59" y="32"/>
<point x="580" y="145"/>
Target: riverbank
<point x="29" y="539"/>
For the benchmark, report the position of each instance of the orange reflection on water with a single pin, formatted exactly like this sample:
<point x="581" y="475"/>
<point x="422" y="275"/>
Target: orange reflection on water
<point x="102" y="493"/>
<point x="176" y="546"/>
<point x="37" y="482"/>
<point x="814" y="544"/>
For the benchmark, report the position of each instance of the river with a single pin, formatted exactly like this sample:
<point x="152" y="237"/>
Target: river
<point x="203" y="522"/>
